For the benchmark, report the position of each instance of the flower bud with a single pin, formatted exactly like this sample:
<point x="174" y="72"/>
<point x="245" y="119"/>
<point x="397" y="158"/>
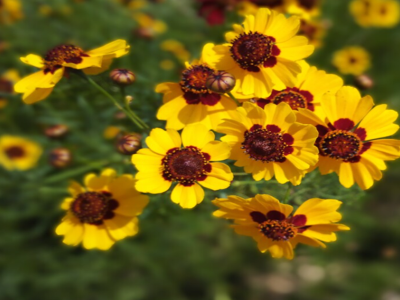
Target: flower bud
<point x="220" y="82"/>
<point x="60" y="158"/>
<point x="363" y="82"/>
<point x="122" y="76"/>
<point x="128" y="99"/>
<point x="129" y="143"/>
<point x="56" y="131"/>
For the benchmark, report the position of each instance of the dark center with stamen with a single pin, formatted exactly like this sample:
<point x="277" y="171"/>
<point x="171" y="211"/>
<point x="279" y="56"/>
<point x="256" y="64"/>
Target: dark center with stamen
<point x="278" y="230"/>
<point x="94" y="207"/>
<point x="308" y="4"/>
<point x="14" y="152"/>
<point x="251" y="49"/>
<point x="268" y="3"/>
<point x="293" y="98"/>
<point x="340" y="144"/>
<point x="194" y="79"/>
<point x="186" y="165"/>
<point x="55" y="58"/>
<point x="264" y="145"/>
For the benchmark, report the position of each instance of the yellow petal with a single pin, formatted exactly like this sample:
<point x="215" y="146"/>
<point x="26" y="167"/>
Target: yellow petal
<point x="33" y="60"/>
<point x="219" y="178"/>
<point x="319" y="211"/>
<point x="160" y="141"/>
<point x="197" y="135"/>
<point x="187" y="196"/>
<point x="118" y="48"/>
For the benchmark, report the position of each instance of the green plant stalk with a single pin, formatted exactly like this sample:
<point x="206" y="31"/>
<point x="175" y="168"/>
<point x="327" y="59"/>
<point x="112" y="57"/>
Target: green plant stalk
<point x="234" y="99"/>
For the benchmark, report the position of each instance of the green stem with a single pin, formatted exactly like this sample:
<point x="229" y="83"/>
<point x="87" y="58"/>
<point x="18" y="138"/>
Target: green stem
<point x="234" y="99"/>
<point x="286" y="197"/>
<point x="240" y="174"/>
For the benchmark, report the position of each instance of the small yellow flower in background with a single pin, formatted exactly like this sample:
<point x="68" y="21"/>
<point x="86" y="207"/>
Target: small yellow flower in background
<point x="177" y="48"/>
<point x="352" y="135"/>
<point x="190" y="166"/>
<point x="10" y="11"/>
<point x="269" y="223"/>
<point x="56" y="63"/>
<point x="7" y="81"/>
<point x="102" y="212"/>
<point x="147" y="22"/>
<point x="111" y="132"/>
<point x="314" y="30"/>
<point x="269" y="142"/>
<point x="307" y="93"/>
<point x="352" y="60"/>
<point x="262" y="55"/>
<point x="245" y="8"/>
<point x="190" y="101"/>
<point x="304" y="8"/>
<point x="18" y="153"/>
<point x="376" y="13"/>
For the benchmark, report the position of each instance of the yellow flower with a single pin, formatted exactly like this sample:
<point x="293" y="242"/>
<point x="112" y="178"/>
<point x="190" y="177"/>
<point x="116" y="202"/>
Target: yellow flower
<point x="351" y="137"/>
<point x="7" y="81"/>
<point x="190" y="101"/>
<point x="307" y="93"/>
<point x="190" y="166"/>
<point x="314" y="30"/>
<point x="269" y="223"/>
<point x="262" y="55"/>
<point x="102" y="212"/>
<point x="250" y="8"/>
<point x="111" y="132"/>
<point x="376" y="13"/>
<point x="304" y="8"/>
<point x="10" y="11"/>
<point x="269" y="142"/>
<point x="56" y="63"/>
<point x="18" y="153"/>
<point x="147" y="22"/>
<point x="351" y="60"/>
<point x="176" y="48"/>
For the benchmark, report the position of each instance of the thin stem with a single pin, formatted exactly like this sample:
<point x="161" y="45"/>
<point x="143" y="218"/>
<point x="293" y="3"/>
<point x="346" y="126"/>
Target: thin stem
<point x="286" y="198"/>
<point x="233" y="98"/>
<point x="240" y="174"/>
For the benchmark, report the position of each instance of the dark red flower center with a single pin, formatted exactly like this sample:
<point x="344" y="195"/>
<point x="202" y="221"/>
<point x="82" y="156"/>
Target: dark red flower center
<point x="186" y="165"/>
<point x="267" y="145"/>
<point x="293" y="96"/>
<point x="268" y="3"/>
<point x="6" y="86"/>
<point x="59" y="55"/>
<point x="94" y="207"/>
<point x="193" y="85"/>
<point x="252" y="50"/>
<point x="15" y="152"/>
<point x="308" y="4"/>
<point x="277" y="227"/>
<point x="340" y="144"/>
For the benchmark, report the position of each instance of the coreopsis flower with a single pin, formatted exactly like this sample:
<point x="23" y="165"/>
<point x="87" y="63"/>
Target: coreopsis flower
<point x="58" y="61"/>
<point x="304" y="8"/>
<point x="190" y="161"/>
<point x="352" y="137"/>
<point x="10" y="11"/>
<point x="376" y="13"/>
<point x="148" y="26"/>
<point x="18" y="153"/>
<point x="314" y="30"/>
<point x="250" y="7"/>
<point x="7" y="81"/>
<point x="262" y="55"/>
<point x="307" y="93"/>
<point x="352" y="60"/>
<point x="102" y="211"/>
<point x="190" y="101"/>
<point x="269" y="142"/>
<point x="272" y="226"/>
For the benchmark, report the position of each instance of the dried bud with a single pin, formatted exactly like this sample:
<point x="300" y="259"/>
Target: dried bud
<point x="220" y="82"/>
<point x="129" y="144"/>
<point x="60" y="157"/>
<point x="364" y="82"/>
<point x="122" y="76"/>
<point x="56" y="131"/>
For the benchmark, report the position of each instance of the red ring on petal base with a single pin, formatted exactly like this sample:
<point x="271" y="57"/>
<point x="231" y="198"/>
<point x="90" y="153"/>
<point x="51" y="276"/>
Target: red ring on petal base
<point x="186" y="165"/>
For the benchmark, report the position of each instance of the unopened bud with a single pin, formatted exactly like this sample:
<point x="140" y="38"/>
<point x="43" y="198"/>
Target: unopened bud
<point x="56" y="131"/>
<point x="220" y="82"/>
<point x="129" y="143"/>
<point x="60" y="158"/>
<point x="128" y="99"/>
<point x="364" y="82"/>
<point x="122" y="76"/>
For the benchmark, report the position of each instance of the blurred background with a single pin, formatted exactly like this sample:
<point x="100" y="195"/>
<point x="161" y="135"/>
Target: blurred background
<point x="178" y="254"/>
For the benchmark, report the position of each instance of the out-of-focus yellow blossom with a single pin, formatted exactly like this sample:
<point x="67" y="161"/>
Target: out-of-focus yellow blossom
<point x="133" y="4"/>
<point x="10" y="11"/>
<point x="7" y="81"/>
<point x="18" y="153"/>
<point x="352" y="60"/>
<point x="314" y="30"/>
<point x="250" y="7"/>
<point x="306" y="9"/>
<point x="111" y="132"/>
<point x="147" y="22"/>
<point x="177" y="48"/>
<point x="376" y="13"/>
<point x="167" y="64"/>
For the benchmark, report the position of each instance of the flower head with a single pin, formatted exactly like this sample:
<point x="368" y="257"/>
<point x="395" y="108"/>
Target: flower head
<point x="190" y="101"/>
<point x="269" y="142"/>
<point x="352" y="60"/>
<point x="190" y="165"/>
<point x="312" y="84"/>
<point x="352" y="135"/>
<point x="262" y="55"/>
<point x="7" y="81"/>
<point x="272" y="226"/>
<point x="18" y="153"/>
<point x="102" y="212"/>
<point x="10" y="11"/>
<point x="56" y="63"/>
<point x="376" y="13"/>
